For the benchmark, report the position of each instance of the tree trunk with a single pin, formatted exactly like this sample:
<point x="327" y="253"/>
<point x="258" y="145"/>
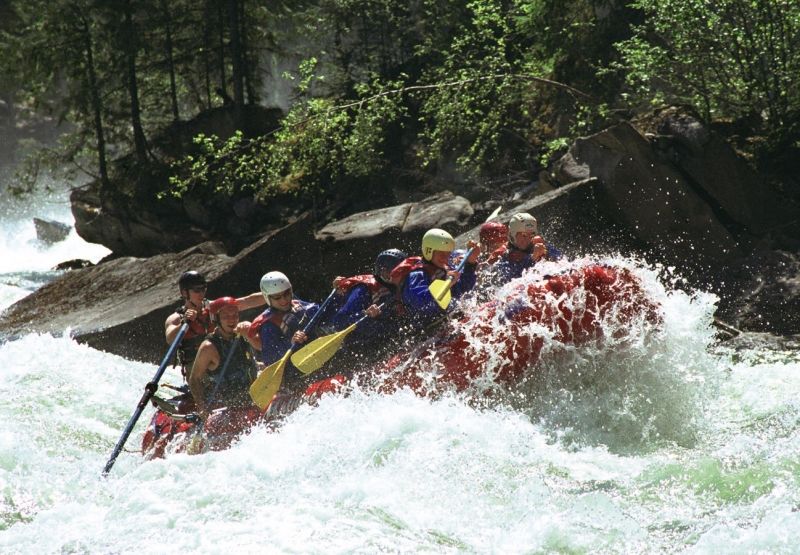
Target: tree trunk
<point x="130" y="47"/>
<point x="249" y="64"/>
<point x="236" y="53"/>
<point x="94" y="94"/>
<point x="207" y="50"/>
<point x="173" y="88"/>
<point x="221" y="24"/>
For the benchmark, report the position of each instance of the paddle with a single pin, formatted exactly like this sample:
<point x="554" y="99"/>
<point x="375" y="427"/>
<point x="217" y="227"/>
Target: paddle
<point x="149" y="391"/>
<point x="267" y="384"/>
<point x="494" y="214"/>
<point x="228" y="358"/>
<point x="440" y="288"/>
<point x="312" y="356"/>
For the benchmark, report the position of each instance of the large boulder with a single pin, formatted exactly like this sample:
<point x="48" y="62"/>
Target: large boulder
<point x="403" y="224"/>
<point x="651" y="198"/>
<point x="120" y="305"/>
<point x="740" y="197"/>
<point x="51" y="231"/>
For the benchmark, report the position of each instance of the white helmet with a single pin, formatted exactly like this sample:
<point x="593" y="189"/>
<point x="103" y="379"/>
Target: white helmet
<point x="436" y="240"/>
<point x="522" y="222"/>
<point x="273" y="283"/>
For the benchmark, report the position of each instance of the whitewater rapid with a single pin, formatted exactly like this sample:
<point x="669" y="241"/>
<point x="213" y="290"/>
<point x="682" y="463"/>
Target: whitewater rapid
<point x="666" y="442"/>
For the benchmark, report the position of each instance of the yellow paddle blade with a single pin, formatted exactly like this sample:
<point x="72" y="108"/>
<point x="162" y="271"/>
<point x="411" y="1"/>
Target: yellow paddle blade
<point x="321" y="350"/>
<point x="267" y="384"/>
<point x="440" y="289"/>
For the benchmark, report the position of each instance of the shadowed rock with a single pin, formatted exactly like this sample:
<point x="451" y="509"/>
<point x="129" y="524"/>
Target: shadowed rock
<point x="50" y="232"/>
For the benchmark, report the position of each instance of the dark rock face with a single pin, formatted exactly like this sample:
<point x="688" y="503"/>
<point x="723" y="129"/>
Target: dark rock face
<point x="739" y="197"/>
<point x="120" y="305"/>
<point x="651" y="199"/>
<point x="766" y="293"/>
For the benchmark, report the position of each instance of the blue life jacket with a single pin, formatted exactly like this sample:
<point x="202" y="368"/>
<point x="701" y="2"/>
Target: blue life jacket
<point x="514" y="261"/>
<point x="422" y="308"/>
<point x="278" y="328"/>
<point x="371" y="330"/>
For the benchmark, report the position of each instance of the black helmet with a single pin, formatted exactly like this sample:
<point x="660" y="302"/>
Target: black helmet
<point x="190" y="279"/>
<point x="389" y="259"/>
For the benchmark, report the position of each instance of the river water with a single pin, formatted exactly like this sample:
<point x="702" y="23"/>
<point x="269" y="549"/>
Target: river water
<point x="666" y="442"/>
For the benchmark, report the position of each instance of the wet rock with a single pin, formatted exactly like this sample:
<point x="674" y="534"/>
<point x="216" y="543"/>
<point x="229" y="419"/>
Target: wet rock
<point x="651" y="198"/>
<point x="763" y="293"/>
<point x="50" y="231"/>
<point x="75" y="264"/>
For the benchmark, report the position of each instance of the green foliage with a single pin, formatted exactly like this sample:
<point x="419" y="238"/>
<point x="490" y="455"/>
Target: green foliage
<point x="728" y="58"/>
<point x="319" y="143"/>
<point x="448" y="81"/>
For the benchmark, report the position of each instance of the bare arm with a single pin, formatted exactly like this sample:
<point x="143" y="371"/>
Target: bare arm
<point x="207" y="359"/>
<point x="171" y="327"/>
<point x="253" y="300"/>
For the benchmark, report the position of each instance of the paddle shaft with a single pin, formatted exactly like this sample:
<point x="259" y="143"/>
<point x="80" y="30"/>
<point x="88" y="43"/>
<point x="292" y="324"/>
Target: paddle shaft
<point x="449" y="280"/>
<point x="225" y="365"/>
<point x="319" y="312"/>
<point x="149" y="390"/>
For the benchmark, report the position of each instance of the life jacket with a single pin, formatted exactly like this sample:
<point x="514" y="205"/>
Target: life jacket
<point x="378" y="290"/>
<point x="195" y="334"/>
<point x="344" y="285"/>
<point x="512" y="253"/>
<point x="233" y="388"/>
<point x="410" y="264"/>
<point x="275" y="317"/>
<point x="496" y="254"/>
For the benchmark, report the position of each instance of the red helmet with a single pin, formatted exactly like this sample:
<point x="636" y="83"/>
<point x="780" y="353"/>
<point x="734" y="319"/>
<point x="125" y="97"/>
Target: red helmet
<point x="218" y="304"/>
<point x="493" y="232"/>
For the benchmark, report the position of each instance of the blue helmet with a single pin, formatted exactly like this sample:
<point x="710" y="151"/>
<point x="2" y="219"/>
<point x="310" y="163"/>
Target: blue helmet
<point x="388" y="259"/>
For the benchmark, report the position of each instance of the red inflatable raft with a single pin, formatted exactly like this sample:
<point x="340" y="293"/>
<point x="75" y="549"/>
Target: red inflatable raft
<point x="497" y="342"/>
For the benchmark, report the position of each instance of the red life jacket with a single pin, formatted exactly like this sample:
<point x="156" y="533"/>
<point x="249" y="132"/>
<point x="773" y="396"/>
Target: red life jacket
<point x="200" y="326"/>
<point x="401" y="271"/>
<point x="344" y="285"/>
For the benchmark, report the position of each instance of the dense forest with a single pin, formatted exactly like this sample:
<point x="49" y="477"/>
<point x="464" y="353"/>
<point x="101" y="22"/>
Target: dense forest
<point x="404" y="92"/>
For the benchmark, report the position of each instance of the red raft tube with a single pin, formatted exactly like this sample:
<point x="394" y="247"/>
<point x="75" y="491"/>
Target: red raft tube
<point x="503" y="339"/>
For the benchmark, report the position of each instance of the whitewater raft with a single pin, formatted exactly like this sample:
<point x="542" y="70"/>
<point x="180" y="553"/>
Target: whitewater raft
<point x="498" y="343"/>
